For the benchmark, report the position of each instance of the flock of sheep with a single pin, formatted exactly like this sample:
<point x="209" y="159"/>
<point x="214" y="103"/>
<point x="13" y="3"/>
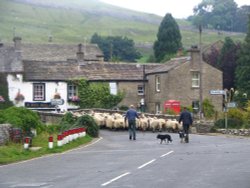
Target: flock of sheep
<point x="116" y="121"/>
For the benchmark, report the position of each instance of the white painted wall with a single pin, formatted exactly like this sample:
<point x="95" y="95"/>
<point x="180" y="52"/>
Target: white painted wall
<point x="15" y="84"/>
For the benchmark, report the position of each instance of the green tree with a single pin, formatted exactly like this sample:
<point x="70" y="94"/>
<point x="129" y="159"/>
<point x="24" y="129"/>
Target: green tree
<point x="227" y="62"/>
<point x="116" y="48"/>
<point x="243" y="66"/>
<point x="218" y="14"/>
<point x="168" y="39"/>
<point x="240" y="21"/>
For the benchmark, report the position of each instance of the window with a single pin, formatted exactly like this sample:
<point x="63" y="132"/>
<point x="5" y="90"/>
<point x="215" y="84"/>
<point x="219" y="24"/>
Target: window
<point x="72" y="90"/>
<point x="157" y="83"/>
<point x="157" y="108"/>
<point x="195" y="106"/>
<point x="140" y="90"/>
<point x="38" y="91"/>
<point x="195" y="79"/>
<point x="113" y="88"/>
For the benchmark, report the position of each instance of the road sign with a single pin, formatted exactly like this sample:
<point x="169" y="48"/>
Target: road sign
<point x="231" y="105"/>
<point x="217" y="92"/>
<point x="56" y="102"/>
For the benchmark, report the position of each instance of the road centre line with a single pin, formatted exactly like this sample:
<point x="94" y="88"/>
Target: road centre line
<point x="114" y="179"/>
<point x="127" y="173"/>
<point x="146" y="164"/>
<point x="167" y="153"/>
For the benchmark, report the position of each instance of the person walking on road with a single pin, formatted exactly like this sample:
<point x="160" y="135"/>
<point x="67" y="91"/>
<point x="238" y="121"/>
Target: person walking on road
<point x="187" y="121"/>
<point x="131" y="116"/>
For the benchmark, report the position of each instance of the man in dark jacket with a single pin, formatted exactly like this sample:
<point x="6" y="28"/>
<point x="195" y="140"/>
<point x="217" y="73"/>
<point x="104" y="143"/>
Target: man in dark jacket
<point x="131" y="116"/>
<point x="187" y="120"/>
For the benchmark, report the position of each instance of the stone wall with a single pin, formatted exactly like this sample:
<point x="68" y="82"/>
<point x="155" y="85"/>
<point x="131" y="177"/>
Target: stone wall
<point x="49" y="118"/>
<point x="4" y="133"/>
<point x="237" y="132"/>
<point x="202" y="126"/>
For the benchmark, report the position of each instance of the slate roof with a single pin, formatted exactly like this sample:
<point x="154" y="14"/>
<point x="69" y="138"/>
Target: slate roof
<point x="10" y="61"/>
<point x="58" y="52"/>
<point x="169" y="65"/>
<point x="93" y="71"/>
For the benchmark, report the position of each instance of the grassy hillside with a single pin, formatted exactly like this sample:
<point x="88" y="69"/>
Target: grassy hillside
<point x="74" y="21"/>
<point x="35" y="22"/>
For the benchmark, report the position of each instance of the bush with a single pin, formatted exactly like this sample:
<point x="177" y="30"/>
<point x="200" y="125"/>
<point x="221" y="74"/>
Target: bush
<point x="237" y="114"/>
<point x="89" y="123"/>
<point x="124" y="107"/>
<point x="53" y="129"/>
<point x="208" y="108"/>
<point x="231" y="124"/>
<point x="22" y="117"/>
<point x="67" y="122"/>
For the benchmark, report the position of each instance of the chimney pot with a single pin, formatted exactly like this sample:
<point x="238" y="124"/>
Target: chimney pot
<point x="17" y="43"/>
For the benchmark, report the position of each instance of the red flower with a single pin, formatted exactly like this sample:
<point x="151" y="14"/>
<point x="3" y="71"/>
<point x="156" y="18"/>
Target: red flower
<point x="19" y="97"/>
<point x="1" y="99"/>
<point x="75" y="99"/>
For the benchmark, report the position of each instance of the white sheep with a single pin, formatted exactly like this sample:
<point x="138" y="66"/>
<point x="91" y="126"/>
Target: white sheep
<point x="173" y="125"/>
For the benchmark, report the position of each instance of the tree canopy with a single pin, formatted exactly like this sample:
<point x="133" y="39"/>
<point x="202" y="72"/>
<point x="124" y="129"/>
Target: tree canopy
<point x="116" y="48"/>
<point x="221" y="15"/>
<point x="243" y="65"/>
<point x="227" y="62"/>
<point x="168" y="39"/>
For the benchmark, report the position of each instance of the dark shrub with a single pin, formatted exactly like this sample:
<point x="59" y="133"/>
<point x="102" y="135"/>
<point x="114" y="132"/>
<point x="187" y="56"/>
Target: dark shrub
<point x="88" y="122"/>
<point x="67" y="122"/>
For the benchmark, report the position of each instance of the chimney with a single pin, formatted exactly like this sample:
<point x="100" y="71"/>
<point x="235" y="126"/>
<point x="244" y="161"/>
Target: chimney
<point x="195" y="57"/>
<point x="179" y="52"/>
<point x="80" y="54"/>
<point x="17" y="43"/>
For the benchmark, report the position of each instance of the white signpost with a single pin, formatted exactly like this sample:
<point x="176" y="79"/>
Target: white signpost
<point x="217" y="92"/>
<point x="231" y="105"/>
<point x="56" y="102"/>
<point x="221" y="92"/>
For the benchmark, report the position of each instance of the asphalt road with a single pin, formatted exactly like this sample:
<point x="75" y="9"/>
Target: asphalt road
<point x="113" y="161"/>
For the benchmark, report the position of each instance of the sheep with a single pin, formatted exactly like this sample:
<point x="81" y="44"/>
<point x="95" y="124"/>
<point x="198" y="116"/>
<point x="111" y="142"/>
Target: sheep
<point x="143" y="123"/>
<point x="109" y="121"/>
<point x="119" y="122"/>
<point x="155" y="124"/>
<point x="99" y="119"/>
<point x="173" y="125"/>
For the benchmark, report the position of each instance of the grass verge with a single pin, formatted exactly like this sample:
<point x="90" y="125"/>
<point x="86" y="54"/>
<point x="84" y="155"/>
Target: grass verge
<point x="15" y="152"/>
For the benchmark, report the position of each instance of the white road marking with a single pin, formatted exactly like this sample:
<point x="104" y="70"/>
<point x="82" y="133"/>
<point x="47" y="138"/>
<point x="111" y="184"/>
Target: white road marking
<point x="167" y="153"/>
<point x="118" y="177"/>
<point x="146" y="164"/>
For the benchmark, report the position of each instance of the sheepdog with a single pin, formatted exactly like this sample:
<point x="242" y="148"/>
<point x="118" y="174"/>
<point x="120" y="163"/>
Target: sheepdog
<point x="182" y="136"/>
<point x="164" y="137"/>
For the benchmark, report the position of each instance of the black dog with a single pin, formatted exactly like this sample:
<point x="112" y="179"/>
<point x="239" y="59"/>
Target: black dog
<point x="182" y="136"/>
<point x="164" y="137"/>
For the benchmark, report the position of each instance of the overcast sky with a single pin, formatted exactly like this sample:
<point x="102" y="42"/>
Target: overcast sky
<point x="178" y="8"/>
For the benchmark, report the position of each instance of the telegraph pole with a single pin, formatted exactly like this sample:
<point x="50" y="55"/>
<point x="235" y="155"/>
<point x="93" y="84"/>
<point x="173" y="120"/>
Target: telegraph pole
<point x="201" y="68"/>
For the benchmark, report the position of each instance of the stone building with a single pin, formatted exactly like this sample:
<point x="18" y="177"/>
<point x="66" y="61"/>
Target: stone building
<point x="179" y="79"/>
<point x="38" y="71"/>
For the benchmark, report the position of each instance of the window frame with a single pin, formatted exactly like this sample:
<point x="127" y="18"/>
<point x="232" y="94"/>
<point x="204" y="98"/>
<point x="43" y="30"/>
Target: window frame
<point x="41" y="90"/>
<point x="157" y="108"/>
<point x="157" y="83"/>
<point x="72" y="90"/>
<point x="140" y="90"/>
<point x="195" y="79"/>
